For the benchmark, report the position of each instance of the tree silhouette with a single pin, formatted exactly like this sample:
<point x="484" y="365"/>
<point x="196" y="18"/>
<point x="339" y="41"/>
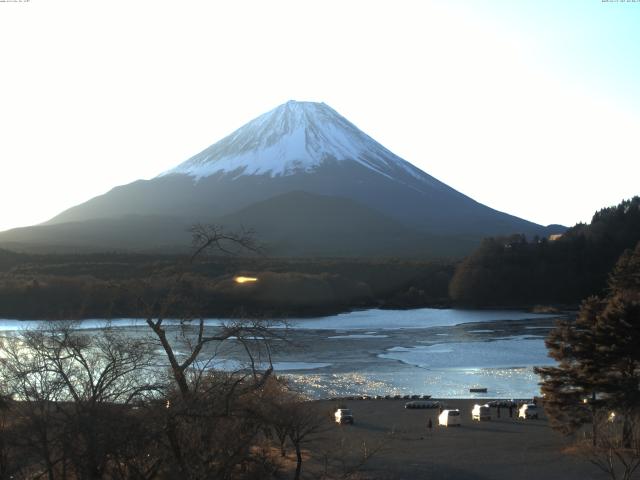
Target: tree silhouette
<point x="515" y="271"/>
<point x="597" y="378"/>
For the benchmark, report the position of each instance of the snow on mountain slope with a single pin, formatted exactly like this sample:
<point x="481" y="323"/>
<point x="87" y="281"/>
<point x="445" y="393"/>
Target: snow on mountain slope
<point x="297" y="137"/>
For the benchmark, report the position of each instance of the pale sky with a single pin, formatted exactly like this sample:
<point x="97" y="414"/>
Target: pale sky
<point x="530" y="107"/>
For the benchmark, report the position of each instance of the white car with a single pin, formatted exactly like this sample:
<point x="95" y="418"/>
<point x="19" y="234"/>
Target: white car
<point x="449" y="418"/>
<point x="344" y="415"/>
<point x="481" y="412"/>
<point x="528" y="410"/>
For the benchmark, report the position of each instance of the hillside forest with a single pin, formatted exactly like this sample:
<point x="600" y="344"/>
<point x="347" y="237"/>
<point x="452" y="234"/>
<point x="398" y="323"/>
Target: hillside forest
<point x="513" y="271"/>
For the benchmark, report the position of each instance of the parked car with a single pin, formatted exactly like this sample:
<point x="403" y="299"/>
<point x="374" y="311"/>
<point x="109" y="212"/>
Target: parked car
<point x="481" y="412"/>
<point x="528" y="410"/>
<point x="449" y="418"/>
<point x="502" y="403"/>
<point x="344" y="415"/>
<point x="422" y="404"/>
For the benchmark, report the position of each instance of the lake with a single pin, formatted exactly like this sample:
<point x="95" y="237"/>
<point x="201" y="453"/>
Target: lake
<point x="440" y="352"/>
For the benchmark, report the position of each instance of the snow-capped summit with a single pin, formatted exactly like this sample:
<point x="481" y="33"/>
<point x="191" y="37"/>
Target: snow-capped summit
<point x="295" y="137"/>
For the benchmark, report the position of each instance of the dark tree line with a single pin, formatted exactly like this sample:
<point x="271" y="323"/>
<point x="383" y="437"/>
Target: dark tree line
<point x="50" y="287"/>
<point x="519" y="271"/>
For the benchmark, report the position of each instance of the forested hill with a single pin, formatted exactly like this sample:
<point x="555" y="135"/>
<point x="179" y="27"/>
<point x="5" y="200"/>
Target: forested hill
<point x="110" y="285"/>
<point x="514" y="271"/>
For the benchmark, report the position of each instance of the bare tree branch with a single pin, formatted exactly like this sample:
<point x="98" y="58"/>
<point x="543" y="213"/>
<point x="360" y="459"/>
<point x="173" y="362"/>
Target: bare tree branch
<point x="214" y="237"/>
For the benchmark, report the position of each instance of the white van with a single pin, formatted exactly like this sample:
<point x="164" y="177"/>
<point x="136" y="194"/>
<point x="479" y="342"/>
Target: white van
<point x="344" y="415"/>
<point x="528" y="410"/>
<point x="449" y="418"/>
<point x="481" y="412"/>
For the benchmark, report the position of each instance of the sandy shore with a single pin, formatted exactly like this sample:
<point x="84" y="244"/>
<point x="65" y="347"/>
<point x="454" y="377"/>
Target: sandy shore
<point x="502" y="448"/>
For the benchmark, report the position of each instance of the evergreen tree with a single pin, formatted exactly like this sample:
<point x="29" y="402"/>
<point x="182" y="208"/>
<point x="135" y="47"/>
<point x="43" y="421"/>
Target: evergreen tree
<point x="598" y="369"/>
<point x="625" y="278"/>
<point x="571" y="389"/>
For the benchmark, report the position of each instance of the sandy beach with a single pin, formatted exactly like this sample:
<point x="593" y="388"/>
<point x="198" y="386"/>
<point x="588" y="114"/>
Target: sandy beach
<point x="502" y="448"/>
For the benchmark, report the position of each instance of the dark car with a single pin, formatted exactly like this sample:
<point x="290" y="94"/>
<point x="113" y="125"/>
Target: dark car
<point x="422" y="404"/>
<point x="502" y="403"/>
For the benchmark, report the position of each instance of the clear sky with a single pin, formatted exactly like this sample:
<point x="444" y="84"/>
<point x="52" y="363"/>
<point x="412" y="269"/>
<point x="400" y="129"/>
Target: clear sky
<point x="531" y="107"/>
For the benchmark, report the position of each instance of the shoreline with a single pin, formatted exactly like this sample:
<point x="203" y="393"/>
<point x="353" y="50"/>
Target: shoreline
<point x="533" y="309"/>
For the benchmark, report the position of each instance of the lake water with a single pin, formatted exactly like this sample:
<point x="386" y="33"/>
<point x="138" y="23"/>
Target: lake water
<point x="388" y="352"/>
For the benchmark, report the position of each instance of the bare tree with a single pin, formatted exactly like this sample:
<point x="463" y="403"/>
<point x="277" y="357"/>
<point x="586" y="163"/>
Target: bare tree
<point x="305" y="422"/>
<point x="615" y="452"/>
<point x="210" y="425"/>
<point x="273" y="407"/>
<point x="281" y="424"/>
<point x="211" y="237"/>
<point x="24" y="375"/>
<point x="8" y="461"/>
<point x="206" y="238"/>
<point x="74" y="394"/>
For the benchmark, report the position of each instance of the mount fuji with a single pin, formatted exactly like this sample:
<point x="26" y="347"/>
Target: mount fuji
<point x="305" y="178"/>
<point x="297" y="137"/>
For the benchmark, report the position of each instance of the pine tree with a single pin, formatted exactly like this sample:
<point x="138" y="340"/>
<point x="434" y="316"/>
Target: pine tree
<point x="598" y="369"/>
<point x="571" y="389"/>
<point x="625" y="278"/>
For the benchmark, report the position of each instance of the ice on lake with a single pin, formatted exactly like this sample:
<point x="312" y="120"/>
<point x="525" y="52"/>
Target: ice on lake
<point x="441" y="352"/>
<point x="516" y="352"/>
<point x="419" y="318"/>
